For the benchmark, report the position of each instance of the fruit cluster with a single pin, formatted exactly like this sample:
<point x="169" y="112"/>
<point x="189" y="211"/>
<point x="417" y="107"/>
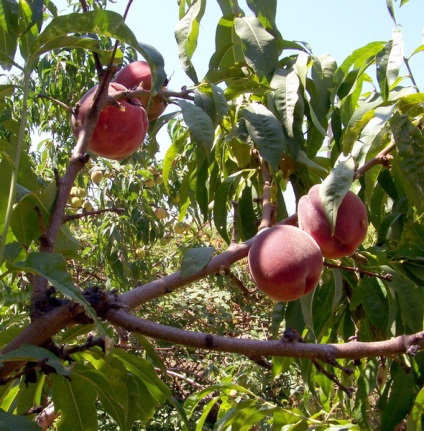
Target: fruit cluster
<point x="121" y="127"/>
<point x="286" y="261"/>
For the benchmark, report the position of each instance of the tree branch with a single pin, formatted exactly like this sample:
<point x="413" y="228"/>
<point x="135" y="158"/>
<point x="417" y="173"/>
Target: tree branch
<point x="325" y="352"/>
<point x="382" y="158"/>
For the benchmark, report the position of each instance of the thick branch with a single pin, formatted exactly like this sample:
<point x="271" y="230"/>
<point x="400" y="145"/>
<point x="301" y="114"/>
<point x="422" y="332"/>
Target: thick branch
<point x="324" y="352"/>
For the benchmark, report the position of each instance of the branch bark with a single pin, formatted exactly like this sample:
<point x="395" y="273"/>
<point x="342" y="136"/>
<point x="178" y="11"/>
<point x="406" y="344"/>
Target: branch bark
<point x="325" y="352"/>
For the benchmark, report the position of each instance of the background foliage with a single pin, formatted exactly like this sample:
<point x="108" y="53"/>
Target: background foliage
<point x="263" y="97"/>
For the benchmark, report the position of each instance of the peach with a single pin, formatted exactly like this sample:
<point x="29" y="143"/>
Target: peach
<point x="121" y="128"/>
<point x="285" y="262"/>
<point x="350" y="229"/>
<point x="138" y="75"/>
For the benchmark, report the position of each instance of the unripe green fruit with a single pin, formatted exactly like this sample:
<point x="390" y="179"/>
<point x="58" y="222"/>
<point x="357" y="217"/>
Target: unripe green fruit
<point x="285" y="262"/>
<point x="164" y="241"/>
<point x="159" y="180"/>
<point x="350" y="229"/>
<point x="76" y="202"/>
<point x="179" y="228"/>
<point x="96" y="176"/>
<point x="140" y="252"/>
<point x="149" y="183"/>
<point x="87" y="206"/>
<point x="160" y="213"/>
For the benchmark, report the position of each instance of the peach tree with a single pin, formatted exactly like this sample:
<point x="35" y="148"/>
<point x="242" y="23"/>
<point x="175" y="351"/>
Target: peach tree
<point x="126" y="298"/>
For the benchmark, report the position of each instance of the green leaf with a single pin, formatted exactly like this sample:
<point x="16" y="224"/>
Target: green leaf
<point x="29" y="352"/>
<point x="259" y="46"/>
<point x="194" y="260"/>
<point x="389" y="4"/>
<point x="111" y="390"/>
<point x="265" y="11"/>
<point x="335" y="186"/>
<point x="285" y="84"/>
<point x="10" y="422"/>
<point x="202" y="130"/>
<point x="417" y="412"/>
<point x="52" y="267"/>
<point x="398" y="397"/>
<point x="410" y="299"/>
<point x="266" y="132"/>
<point x="76" y="400"/>
<point x="244" y="416"/>
<point x="9" y="16"/>
<point x="147" y="391"/>
<point x="211" y="99"/>
<point x="220" y="208"/>
<point x="186" y="34"/>
<point x="107" y="23"/>
<point x="359" y="60"/>
<point x="410" y="144"/>
<point x="388" y="62"/>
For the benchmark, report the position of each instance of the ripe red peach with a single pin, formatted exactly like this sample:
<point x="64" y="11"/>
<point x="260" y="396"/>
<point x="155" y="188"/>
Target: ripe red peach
<point x="285" y="262"/>
<point x="121" y="128"/>
<point x="138" y="75"/>
<point x="350" y="229"/>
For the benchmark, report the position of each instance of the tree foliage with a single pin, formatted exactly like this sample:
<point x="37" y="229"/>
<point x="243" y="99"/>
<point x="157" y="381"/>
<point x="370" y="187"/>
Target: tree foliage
<point x="112" y="317"/>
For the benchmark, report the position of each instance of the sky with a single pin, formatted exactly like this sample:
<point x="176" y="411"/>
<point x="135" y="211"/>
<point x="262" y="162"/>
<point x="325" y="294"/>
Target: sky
<point x="335" y="27"/>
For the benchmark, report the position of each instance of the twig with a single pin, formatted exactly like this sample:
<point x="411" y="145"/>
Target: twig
<point x="411" y="76"/>
<point x="333" y="378"/>
<point x="386" y="277"/>
<point x="382" y="158"/>
<point x="92" y="213"/>
<point x="57" y="102"/>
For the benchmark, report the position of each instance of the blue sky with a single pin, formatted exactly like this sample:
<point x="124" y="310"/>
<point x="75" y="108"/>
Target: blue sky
<point x="335" y="27"/>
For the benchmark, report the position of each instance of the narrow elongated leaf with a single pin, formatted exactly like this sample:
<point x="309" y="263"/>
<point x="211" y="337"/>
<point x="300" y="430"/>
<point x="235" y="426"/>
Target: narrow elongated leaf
<point x="29" y="352"/>
<point x="334" y="188"/>
<point x="230" y="7"/>
<point x="266" y="132"/>
<point x="9" y="16"/>
<point x="76" y="400"/>
<point x="389" y="61"/>
<point x="186" y="34"/>
<point x="285" y="83"/>
<point x="220" y="211"/>
<point x="360" y="59"/>
<point x="111" y="390"/>
<point x="417" y="412"/>
<point x="8" y="45"/>
<point x="259" y="46"/>
<point x="244" y="416"/>
<point x="107" y="23"/>
<point x="200" y="124"/>
<point x="228" y="44"/>
<point x="194" y="260"/>
<point x="52" y="266"/>
<point x="410" y="143"/>
<point x="397" y="398"/>
<point x="9" y="421"/>
<point x="389" y="4"/>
